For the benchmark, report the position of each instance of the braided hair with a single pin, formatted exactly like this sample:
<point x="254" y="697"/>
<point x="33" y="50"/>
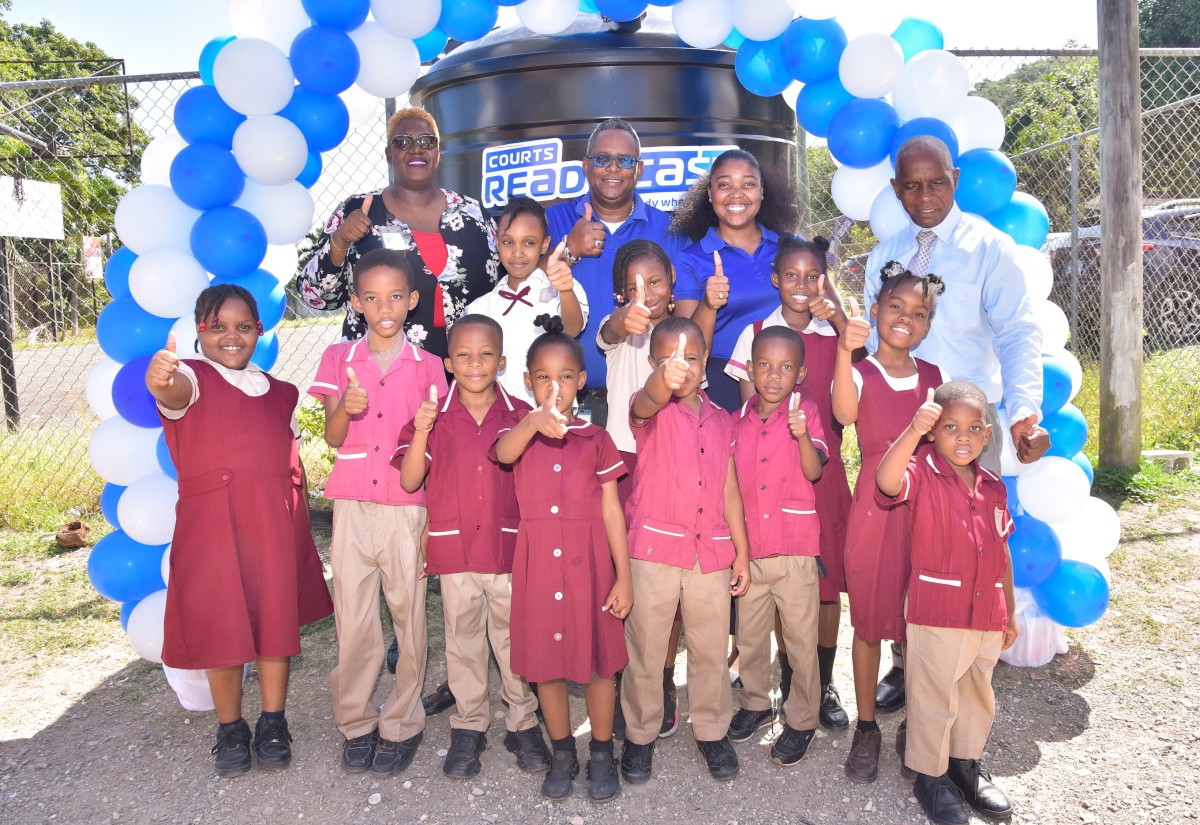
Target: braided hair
<point x="523" y="205"/>
<point x="637" y="250"/>
<point x="818" y="247"/>
<point x="553" y="336"/>
<point x="777" y="212"/>
<point x="894" y="275"/>
<point x="210" y="301"/>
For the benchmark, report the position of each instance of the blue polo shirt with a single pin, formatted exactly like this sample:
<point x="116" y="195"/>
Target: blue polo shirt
<point x="596" y="273"/>
<point x="751" y="295"/>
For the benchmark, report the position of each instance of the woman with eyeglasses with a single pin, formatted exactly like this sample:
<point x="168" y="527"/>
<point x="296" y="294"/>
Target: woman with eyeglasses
<point x="449" y="243"/>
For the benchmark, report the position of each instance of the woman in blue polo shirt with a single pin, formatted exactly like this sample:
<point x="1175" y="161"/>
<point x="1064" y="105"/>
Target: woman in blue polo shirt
<point x="737" y="212"/>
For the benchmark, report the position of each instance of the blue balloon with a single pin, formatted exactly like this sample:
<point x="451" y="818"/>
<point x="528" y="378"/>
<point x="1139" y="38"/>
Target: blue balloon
<point x="812" y="49"/>
<point x="124" y="570"/>
<point x="986" y="181"/>
<point x="1056" y="385"/>
<point x="267" y="352"/>
<point x="206" y="176"/>
<point x="735" y="39"/>
<point x="130" y="396"/>
<point x="1035" y="551"/>
<point x="588" y="7"/>
<point x="861" y="132"/>
<point x="467" y="20"/>
<point x="109" y="497"/>
<point x="201" y="116"/>
<point x="818" y="102"/>
<point x="1023" y="219"/>
<point x="429" y="46"/>
<point x="916" y="35"/>
<point x="1068" y="431"/>
<point x="759" y="66"/>
<point x="324" y="60"/>
<point x="321" y="118"/>
<point x="1014" y="503"/>
<point x="164" y="457"/>
<point x="208" y="56"/>
<point x="126" y="611"/>
<point x="339" y="14"/>
<point x="1074" y="596"/>
<point x="926" y="126"/>
<point x="1086" y="465"/>
<point x="621" y="10"/>
<point x="228" y="241"/>
<point x="125" y="330"/>
<point x="267" y="292"/>
<point x="311" y="172"/>
<point x="116" y="272"/>
<point x="506" y="2"/>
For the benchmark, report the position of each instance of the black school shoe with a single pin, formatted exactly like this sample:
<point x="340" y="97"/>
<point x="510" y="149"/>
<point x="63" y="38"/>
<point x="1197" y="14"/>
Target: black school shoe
<point x="791" y="746"/>
<point x="272" y="743"/>
<point x="941" y="800"/>
<point x="722" y="759"/>
<point x="393" y="656"/>
<point x="530" y="749"/>
<point x="745" y="722"/>
<point x="636" y="762"/>
<point x="564" y="767"/>
<point x="833" y="715"/>
<point x="462" y="758"/>
<point x="977" y="789"/>
<point x="889" y="695"/>
<point x="439" y="701"/>
<point x="670" y="722"/>
<point x="359" y="752"/>
<point x="233" y="749"/>
<point x="603" y="783"/>
<point x="393" y="757"/>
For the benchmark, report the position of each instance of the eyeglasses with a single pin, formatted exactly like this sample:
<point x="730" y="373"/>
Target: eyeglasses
<point x="623" y="161"/>
<point x="405" y="142"/>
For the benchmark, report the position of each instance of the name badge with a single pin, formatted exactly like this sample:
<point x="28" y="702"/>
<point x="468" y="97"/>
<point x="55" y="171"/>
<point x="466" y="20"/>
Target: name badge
<point x="392" y="238"/>
<point x="547" y="295"/>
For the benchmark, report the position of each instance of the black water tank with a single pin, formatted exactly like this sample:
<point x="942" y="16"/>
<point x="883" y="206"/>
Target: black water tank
<point x="548" y="93"/>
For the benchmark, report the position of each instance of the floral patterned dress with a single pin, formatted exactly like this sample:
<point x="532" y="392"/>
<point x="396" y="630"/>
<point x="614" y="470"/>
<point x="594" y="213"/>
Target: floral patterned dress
<point x="472" y="268"/>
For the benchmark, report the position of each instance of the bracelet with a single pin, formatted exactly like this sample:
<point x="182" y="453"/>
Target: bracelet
<point x="342" y="249"/>
<point x="571" y="259"/>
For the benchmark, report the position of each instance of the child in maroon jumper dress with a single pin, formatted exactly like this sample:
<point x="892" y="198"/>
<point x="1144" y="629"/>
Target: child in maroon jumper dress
<point x="245" y="575"/>
<point x="571" y="579"/>
<point x="879" y="395"/>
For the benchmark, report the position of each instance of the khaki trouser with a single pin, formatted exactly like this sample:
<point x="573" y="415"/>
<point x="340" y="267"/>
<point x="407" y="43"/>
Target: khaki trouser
<point x="948" y="682"/>
<point x="790" y="585"/>
<point x="376" y="545"/>
<point x="656" y="593"/>
<point x="476" y="608"/>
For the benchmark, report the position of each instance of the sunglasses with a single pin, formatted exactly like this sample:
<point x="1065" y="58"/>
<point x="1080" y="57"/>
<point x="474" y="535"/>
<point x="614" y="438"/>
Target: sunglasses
<point x="623" y="161"/>
<point x="405" y="142"/>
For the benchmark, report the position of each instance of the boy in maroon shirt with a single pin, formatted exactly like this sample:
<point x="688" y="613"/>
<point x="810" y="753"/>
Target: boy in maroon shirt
<point x="473" y="521"/>
<point x="960" y="602"/>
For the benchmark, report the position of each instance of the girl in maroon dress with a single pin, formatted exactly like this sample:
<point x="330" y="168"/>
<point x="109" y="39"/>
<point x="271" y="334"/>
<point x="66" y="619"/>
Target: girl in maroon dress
<point x="245" y="574"/>
<point x="879" y="395"/>
<point x="571" y="581"/>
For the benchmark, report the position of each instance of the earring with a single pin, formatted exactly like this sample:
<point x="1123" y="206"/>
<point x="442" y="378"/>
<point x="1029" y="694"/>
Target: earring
<point x="671" y="305"/>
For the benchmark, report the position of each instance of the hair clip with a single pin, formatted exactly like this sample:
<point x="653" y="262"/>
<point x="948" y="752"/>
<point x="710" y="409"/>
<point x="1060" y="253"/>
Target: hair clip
<point x="260" y="329"/>
<point x="202" y="326"/>
<point x="893" y="268"/>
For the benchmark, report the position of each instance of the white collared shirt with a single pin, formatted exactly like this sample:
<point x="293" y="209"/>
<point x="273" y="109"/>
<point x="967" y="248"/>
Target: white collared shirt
<point x="628" y="368"/>
<point x="736" y="368"/>
<point x="984" y="330"/>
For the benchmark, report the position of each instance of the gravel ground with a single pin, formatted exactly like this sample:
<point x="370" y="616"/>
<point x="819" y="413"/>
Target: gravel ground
<point x="1104" y="734"/>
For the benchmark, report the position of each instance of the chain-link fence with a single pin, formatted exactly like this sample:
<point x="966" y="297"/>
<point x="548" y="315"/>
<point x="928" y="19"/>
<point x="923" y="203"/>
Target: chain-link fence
<point x="86" y="135"/>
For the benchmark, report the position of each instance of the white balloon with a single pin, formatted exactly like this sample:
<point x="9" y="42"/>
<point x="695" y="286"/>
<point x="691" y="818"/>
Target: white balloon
<point x="762" y="19"/>
<point x="1039" y="274"/>
<point x="185" y="336"/>
<point x="1074" y="369"/>
<point x="1054" y="325"/>
<point x="1010" y="465"/>
<point x="702" y="24"/>
<point x="863" y="18"/>
<point x="791" y="93"/>
<point x="870" y="64"/>
<point x="933" y="84"/>
<point x="151" y="216"/>
<point x="122" y="453"/>
<point x="145" y="628"/>
<point x="277" y="21"/>
<point x="165" y="566"/>
<point x="977" y="124"/>
<point x="166" y="282"/>
<point x="1054" y="490"/>
<point x="146" y="511"/>
<point x="887" y="214"/>
<point x="98" y="389"/>
<point x="1090" y="536"/>
<point x="854" y="190"/>
<point x="814" y="9"/>
<point x="281" y="261"/>
<point x="253" y="77"/>
<point x="361" y="106"/>
<point x="271" y="150"/>
<point x="547" y="16"/>
<point x="407" y="18"/>
<point x="388" y="64"/>
<point x="156" y="159"/>
<point x="286" y="212"/>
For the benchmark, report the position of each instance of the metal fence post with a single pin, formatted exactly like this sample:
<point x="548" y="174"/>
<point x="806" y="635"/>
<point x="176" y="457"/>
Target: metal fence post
<point x="8" y="363"/>
<point x="1074" y="236"/>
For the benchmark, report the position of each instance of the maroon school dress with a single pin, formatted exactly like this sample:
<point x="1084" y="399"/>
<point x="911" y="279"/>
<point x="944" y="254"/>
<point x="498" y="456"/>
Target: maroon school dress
<point x="878" y="541"/>
<point x="563" y="569"/>
<point x="245" y="575"/>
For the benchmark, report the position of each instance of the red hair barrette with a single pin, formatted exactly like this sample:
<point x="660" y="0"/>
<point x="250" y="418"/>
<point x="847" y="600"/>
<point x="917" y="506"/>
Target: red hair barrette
<point x="260" y="329"/>
<point x="202" y="326"/>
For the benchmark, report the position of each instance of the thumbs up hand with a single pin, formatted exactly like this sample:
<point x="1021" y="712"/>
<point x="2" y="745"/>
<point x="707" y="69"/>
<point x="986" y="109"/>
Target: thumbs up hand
<point x="355" y="226"/>
<point x="716" y="288"/>
<point x="354" y="399"/>
<point x="797" y="422"/>
<point x="547" y="419"/>
<point x="858" y="329"/>
<point x="160" y="373"/>
<point x="821" y="305"/>
<point x="636" y="317"/>
<point x="927" y="415"/>
<point x="558" y="271"/>
<point x="587" y="236"/>
<point x="427" y="413"/>
<point x="675" y="368"/>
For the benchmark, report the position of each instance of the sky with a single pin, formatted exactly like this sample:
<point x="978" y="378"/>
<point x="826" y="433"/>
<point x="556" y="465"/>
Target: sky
<point x="167" y="35"/>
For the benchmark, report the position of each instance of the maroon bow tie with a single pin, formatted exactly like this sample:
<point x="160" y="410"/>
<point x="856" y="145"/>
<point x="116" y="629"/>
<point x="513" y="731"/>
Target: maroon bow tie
<point x="514" y="297"/>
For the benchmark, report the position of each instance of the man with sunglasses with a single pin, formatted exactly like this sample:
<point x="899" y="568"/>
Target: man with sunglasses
<point x="595" y="226"/>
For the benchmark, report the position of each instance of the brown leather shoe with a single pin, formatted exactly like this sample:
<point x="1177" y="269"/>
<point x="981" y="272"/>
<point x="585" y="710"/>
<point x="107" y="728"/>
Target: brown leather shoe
<point x="901" y="741"/>
<point x="862" y="765"/>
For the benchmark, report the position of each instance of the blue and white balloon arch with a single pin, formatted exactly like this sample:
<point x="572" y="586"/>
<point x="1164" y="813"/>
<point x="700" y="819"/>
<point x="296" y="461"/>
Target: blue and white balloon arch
<point x="226" y="197"/>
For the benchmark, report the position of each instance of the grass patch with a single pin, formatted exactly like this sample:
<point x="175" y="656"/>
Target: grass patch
<point x="1150" y="483"/>
<point x="44" y="473"/>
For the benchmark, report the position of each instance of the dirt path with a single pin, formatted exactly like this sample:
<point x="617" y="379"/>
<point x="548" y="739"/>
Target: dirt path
<point x="1106" y="733"/>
